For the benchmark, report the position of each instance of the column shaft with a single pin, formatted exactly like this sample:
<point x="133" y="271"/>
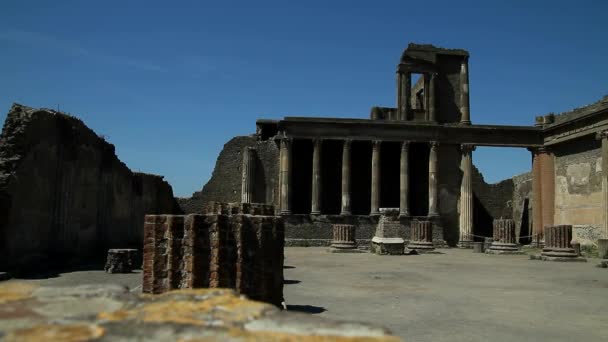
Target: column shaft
<point x="433" y="180"/>
<point x="537" y="212"/>
<point x="248" y="175"/>
<point x="400" y="111"/>
<point x="466" y="196"/>
<point x="426" y="93"/>
<point x="346" y="210"/>
<point x="604" y="137"/>
<point x="316" y="177"/>
<point x="285" y="176"/>
<point x="375" y="201"/>
<point x="404" y="180"/>
<point x="432" y="100"/>
<point x="406" y="90"/>
<point x="464" y="93"/>
<point x="547" y="186"/>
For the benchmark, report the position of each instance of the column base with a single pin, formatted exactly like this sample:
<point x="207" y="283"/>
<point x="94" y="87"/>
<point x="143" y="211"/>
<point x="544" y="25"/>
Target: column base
<point x="285" y="212"/>
<point x="345" y="213"/>
<point x="465" y="244"/>
<point x="465" y="122"/>
<point x="374" y="214"/>
<point x="404" y="215"/>
<point x="315" y="213"/>
<point x="433" y="215"/>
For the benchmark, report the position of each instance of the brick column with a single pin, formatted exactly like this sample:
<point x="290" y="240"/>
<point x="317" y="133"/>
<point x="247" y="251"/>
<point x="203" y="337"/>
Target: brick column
<point x="465" y="117"/>
<point x="346" y="210"/>
<point x="404" y="180"/>
<point x="285" y="175"/>
<point x="375" y="201"/>
<point x="433" y="180"/>
<point x="557" y="244"/>
<point x="537" y="216"/>
<point x="547" y="186"/>
<point x="466" y="197"/>
<point x="248" y="175"/>
<point x="421" y="236"/>
<point x="432" y="98"/>
<point x="344" y="236"/>
<point x="504" y="239"/>
<point x="316" y="177"/>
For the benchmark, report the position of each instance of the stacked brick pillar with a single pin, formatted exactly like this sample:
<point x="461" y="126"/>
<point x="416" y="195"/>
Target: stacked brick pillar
<point x="504" y="239"/>
<point x="558" y="244"/>
<point x="244" y="252"/>
<point x="421" y="236"/>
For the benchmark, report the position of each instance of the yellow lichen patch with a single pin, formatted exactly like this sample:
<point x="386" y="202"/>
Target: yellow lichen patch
<point x="271" y="336"/>
<point x="13" y="291"/>
<point x="64" y="333"/>
<point x="227" y="308"/>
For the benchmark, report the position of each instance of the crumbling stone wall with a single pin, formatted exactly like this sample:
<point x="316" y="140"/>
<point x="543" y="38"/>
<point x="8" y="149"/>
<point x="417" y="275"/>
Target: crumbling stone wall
<point x="239" y="251"/>
<point x="491" y="201"/>
<point x="522" y="205"/>
<point x="65" y="195"/>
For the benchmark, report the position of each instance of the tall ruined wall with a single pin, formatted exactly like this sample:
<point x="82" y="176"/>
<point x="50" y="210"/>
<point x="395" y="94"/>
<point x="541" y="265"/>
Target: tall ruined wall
<point x="578" y="186"/>
<point x="491" y="201"/>
<point x="65" y="194"/>
<point x="522" y="205"/>
<point x="225" y="182"/>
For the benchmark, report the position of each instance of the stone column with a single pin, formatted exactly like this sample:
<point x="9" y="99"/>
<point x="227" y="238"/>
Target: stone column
<point x="432" y="98"/>
<point x="466" y="197"/>
<point x="346" y="178"/>
<point x="285" y="176"/>
<point x="537" y="212"/>
<point x="400" y="112"/>
<point x="421" y="236"/>
<point x="406" y="95"/>
<point x="426" y="78"/>
<point x="547" y="186"/>
<point x="603" y="136"/>
<point x="404" y="181"/>
<point x="375" y="201"/>
<point x="557" y="244"/>
<point x="433" y="180"/>
<point x="465" y="118"/>
<point x="248" y="175"/>
<point x="316" y="177"/>
<point x="344" y="237"/>
<point x="503" y="237"/>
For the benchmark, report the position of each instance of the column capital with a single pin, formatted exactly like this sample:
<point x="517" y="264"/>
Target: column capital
<point x="347" y="143"/>
<point x="601" y="135"/>
<point x="405" y="144"/>
<point x="467" y="148"/>
<point x="376" y="143"/>
<point x="433" y="144"/>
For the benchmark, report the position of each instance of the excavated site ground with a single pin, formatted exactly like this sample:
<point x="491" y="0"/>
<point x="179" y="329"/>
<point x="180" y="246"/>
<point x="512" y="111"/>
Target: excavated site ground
<point x="454" y="296"/>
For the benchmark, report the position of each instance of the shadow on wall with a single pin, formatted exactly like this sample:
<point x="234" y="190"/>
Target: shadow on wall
<point x="482" y="220"/>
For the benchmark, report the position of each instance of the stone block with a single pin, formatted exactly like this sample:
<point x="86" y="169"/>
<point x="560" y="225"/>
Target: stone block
<point x="122" y="260"/>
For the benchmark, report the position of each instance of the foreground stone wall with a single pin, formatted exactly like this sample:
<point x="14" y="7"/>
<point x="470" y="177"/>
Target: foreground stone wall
<point x="239" y="251"/>
<point x="113" y="313"/>
<point x="65" y="195"/>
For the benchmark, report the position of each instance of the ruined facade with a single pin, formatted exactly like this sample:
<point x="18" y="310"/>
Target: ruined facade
<point x="64" y="195"/>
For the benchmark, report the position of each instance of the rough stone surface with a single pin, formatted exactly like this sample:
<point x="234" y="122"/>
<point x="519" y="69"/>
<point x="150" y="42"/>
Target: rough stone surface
<point x="239" y="251"/>
<point x="112" y="313"/>
<point x="421" y="237"/>
<point x="558" y="244"/>
<point x="64" y="195"/>
<point x="122" y="260"/>
<point x="387" y="238"/>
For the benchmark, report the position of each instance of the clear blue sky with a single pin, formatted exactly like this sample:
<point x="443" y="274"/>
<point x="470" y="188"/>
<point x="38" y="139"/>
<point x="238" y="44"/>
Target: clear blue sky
<point x="170" y="82"/>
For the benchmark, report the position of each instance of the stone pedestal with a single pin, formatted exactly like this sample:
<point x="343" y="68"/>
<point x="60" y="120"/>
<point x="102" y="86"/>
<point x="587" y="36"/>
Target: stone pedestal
<point x="421" y="237"/>
<point x="504" y="238"/>
<point x="388" y="238"/>
<point x="602" y="248"/>
<point x="121" y="260"/>
<point x="344" y="240"/>
<point x="557" y="244"/>
<point x="477" y="247"/>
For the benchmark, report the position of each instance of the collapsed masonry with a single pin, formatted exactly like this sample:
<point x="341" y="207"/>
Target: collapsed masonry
<point x="229" y="246"/>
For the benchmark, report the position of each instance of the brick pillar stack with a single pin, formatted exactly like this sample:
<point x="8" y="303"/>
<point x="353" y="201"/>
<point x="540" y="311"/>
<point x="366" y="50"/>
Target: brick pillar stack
<point x="504" y="238"/>
<point x="557" y="244"/>
<point x="344" y="238"/>
<point x="244" y="252"/>
<point x="421" y="236"/>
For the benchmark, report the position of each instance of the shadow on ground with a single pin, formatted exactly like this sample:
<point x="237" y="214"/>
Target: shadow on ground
<point x="311" y="309"/>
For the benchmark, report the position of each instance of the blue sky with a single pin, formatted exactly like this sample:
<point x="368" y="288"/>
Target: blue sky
<point x="169" y="82"/>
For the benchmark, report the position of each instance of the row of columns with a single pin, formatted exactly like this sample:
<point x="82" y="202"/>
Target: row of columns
<point x="284" y="178"/>
<point x="404" y="94"/>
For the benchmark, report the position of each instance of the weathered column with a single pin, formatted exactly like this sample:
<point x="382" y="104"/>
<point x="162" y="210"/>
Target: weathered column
<point x="421" y="236"/>
<point x="248" y="175"/>
<point x="404" y="181"/>
<point x="504" y="239"/>
<point x="557" y="244"/>
<point x="344" y="237"/>
<point x="316" y="177"/>
<point x="346" y="178"/>
<point x="603" y="136"/>
<point x="406" y="90"/>
<point x="400" y="111"/>
<point x="426" y="78"/>
<point x="375" y="201"/>
<point x="285" y="176"/>
<point x="465" y="117"/>
<point x="466" y="197"/>
<point x="547" y="186"/>
<point x="433" y="180"/>
<point x="432" y="100"/>
<point x="537" y="212"/>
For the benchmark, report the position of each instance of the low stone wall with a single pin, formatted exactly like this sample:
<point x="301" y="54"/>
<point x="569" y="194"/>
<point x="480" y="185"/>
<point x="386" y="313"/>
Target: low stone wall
<point x="239" y="251"/>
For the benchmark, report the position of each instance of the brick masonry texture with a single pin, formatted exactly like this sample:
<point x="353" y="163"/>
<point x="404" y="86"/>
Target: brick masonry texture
<point x="64" y="194"/>
<point x="239" y="251"/>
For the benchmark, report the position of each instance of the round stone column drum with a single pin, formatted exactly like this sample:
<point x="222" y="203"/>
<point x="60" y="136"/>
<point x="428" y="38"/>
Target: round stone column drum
<point x="344" y="236"/>
<point x="421" y="236"/>
<point x="557" y="244"/>
<point x="504" y="238"/>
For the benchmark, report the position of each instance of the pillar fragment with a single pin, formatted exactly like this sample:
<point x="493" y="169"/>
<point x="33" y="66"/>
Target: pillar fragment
<point x="557" y="244"/>
<point x="406" y="90"/>
<point x="433" y="180"/>
<point x="316" y="177"/>
<point x="375" y="200"/>
<point x="285" y="175"/>
<point x="504" y="239"/>
<point x="248" y="175"/>
<point x="432" y="98"/>
<point x="346" y="203"/>
<point x="466" y="197"/>
<point x="404" y="207"/>
<point x="465" y="117"/>
<point x="421" y="236"/>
